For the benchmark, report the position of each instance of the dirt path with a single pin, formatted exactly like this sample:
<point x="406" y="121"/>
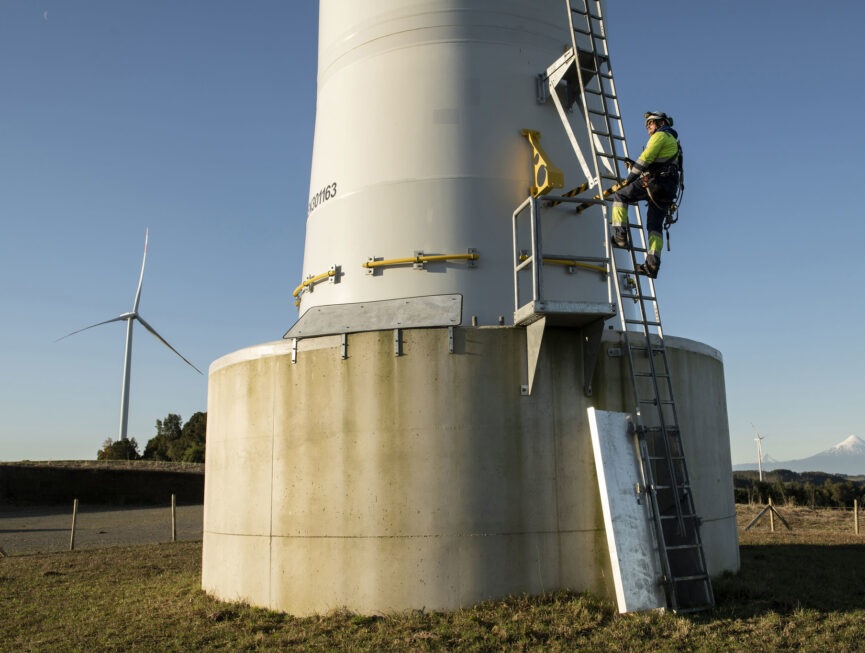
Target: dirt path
<point x="47" y="528"/>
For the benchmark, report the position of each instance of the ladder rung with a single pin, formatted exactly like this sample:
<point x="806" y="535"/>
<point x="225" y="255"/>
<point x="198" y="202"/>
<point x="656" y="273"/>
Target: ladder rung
<point x="602" y="93"/>
<point x="686" y="579"/>
<point x="654" y="401"/>
<point x="611" y="116"/>
<point x="657" y="375"/>
<point x="670" y="487"/>
<point x="646" y="322"/>
<point x="655" y="350"/>
<point x="685" y="515"/>
<point x="647" y="298"/>
<point x="665" y="458"/>
<point x="680" y="547"/>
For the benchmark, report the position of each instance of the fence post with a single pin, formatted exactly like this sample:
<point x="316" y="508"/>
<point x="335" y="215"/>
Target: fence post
<point x="173" y="518"/>
<point x="72" y="533"/>
<point x="771" y="516"/>
<point x="856" y="516"/>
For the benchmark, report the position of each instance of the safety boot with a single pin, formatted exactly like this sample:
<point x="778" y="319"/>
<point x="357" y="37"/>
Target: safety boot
<point x="650" y="267"/>
<point x="620" y="238"/>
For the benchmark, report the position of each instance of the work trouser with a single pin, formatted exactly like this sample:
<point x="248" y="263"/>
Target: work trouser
<point x="634" y="193"/>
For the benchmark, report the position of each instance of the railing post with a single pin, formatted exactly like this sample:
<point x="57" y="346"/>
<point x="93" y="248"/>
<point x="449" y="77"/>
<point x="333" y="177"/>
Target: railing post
<point x="74" y="517"/>
<point x="771" y="516"/>
<point x="537" y="262"/>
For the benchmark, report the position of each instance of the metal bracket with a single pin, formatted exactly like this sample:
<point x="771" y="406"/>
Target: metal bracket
<point x="534" y="340"/>
<point x="397" y="342"/>
<point x="555" y="73"/>
<point x="419" y="265"/>
<point x="344" y="348"/>
<point x="547" y="176"/>
<point x="471" y="262"/>
<point x="294" y="350"/>
<point x="337" y="273"/>
<point x="372" y="259"/>
<point x="450" y="340"/>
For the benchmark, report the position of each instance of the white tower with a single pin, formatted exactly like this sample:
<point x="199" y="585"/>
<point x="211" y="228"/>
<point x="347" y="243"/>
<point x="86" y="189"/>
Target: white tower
<point x="419" y="153"/>
<point x="407" y="445"/>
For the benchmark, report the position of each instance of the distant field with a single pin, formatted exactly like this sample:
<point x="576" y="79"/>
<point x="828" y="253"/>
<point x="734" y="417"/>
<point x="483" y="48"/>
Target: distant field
<point x="803" y="590"/>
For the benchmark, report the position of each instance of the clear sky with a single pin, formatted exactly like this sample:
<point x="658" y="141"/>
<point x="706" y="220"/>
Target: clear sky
<point x="195" y="119"/>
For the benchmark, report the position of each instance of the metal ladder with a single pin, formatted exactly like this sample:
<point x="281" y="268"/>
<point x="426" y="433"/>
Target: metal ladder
<point x="685" y="579"/>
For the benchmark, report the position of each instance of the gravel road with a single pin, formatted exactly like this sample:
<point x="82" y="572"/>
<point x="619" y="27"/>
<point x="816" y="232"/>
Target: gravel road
<point x="45" y="529"/>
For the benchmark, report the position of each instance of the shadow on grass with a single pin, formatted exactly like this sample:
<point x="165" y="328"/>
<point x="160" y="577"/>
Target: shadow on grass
<point x="787" y="578"/>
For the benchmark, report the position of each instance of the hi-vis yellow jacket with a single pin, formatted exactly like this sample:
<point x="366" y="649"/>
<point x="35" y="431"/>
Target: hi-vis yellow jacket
<point x="663" y="147"/>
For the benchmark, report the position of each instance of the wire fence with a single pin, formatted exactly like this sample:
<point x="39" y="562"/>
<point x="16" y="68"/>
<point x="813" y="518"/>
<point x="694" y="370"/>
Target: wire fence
<point x="46" y="529"/>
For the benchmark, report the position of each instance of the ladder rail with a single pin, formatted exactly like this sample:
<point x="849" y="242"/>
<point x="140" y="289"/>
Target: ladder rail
<point x="605" y="113"/>
<point x="651" y="378"/>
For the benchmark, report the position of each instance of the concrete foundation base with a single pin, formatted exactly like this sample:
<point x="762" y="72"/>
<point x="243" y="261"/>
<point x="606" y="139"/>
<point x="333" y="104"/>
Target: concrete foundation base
<point x="363" y="475"/>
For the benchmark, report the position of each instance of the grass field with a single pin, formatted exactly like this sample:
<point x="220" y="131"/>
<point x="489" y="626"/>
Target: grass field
<point x="802" y="590"/>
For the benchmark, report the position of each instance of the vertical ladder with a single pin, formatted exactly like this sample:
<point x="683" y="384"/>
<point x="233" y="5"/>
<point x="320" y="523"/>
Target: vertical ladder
<point x="665" y="475"/>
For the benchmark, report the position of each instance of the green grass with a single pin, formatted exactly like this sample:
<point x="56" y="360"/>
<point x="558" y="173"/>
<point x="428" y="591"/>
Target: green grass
<point x="803" y="590"/>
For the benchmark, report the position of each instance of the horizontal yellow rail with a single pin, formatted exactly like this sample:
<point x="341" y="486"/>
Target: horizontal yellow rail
<point x="421" y="258"/>
<point x="313" y="280"/>
<point x="569" y="262"/>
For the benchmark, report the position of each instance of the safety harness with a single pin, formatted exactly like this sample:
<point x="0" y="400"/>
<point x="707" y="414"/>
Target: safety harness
<point x="653" y="187"/>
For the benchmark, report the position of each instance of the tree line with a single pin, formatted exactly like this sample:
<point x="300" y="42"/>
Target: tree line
<point x="787" y="488"/>
<point x="174" y="441"/>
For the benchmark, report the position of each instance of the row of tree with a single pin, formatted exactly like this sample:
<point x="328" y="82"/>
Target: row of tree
<point x="813" y="489"/>
<point x="174" y="440"/>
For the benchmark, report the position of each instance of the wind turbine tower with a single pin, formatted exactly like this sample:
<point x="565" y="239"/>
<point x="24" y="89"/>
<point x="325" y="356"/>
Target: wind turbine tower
<point x="130" y="318"/>
<point x="462" y="409"/>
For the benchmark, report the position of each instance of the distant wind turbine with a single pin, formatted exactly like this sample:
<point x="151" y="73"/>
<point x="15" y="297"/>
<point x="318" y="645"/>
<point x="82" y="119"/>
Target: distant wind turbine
<point x="759" y="440"/>
<point x="129" y="318"/>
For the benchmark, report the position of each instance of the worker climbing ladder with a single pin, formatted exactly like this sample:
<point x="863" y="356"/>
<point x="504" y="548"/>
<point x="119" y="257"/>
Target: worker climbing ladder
<point x="583" y="75"/>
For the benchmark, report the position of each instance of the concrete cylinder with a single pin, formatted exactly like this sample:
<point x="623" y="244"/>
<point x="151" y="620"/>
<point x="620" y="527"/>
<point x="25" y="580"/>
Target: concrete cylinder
<point x="386" y="470"/>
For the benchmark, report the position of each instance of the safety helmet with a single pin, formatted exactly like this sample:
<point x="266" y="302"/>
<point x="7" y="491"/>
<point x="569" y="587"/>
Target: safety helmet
<point x="658" y="115"/>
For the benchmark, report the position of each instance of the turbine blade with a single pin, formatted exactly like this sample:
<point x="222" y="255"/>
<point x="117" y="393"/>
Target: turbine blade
<point x="119" y="318"/>
<point x="165" y="342"/>
<point x="141" y="276"/>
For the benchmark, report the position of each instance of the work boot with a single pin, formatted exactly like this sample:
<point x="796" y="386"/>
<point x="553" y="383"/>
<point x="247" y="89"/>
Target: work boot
<point x="650" y="267"/>
<point x="620" y="238"/>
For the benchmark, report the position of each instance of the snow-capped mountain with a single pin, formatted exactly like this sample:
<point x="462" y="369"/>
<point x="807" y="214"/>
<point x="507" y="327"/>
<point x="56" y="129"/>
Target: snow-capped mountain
<point x="847" y="457"/>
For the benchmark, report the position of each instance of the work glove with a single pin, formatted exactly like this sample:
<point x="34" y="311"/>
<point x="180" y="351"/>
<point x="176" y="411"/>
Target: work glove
<point x="629" y="163"/>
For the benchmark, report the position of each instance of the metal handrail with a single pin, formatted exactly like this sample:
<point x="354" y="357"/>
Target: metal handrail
<point x="523" y="261"/>
<point x="568" y="262"/>
<point x="313" y="280"/>
<point x="421" y="258"/>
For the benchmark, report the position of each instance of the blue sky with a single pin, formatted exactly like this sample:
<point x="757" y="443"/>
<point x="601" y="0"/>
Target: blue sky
<point x="195" y="119"/>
